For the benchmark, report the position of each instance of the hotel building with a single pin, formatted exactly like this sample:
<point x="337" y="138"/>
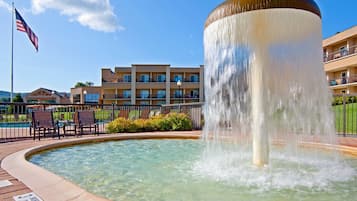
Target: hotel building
<point x="340" y="58"/>
<point x="149" y="84"/>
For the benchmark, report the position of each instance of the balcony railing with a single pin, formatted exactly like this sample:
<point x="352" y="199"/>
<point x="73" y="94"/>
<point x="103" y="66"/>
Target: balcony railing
<point x="117" y="81"/>
<point x="187" y="96"/>
<point x="151" y="80"/>
<point x="188" y="80"/>
<point x="115" y="96"/>
<point x="340" y="53"/>
<point x="152" y="96"/>
<point x="343" y="80"/>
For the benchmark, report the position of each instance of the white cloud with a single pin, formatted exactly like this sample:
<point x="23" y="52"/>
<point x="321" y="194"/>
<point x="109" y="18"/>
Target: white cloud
<point x="5" y="5"/>
<point x="95" y="14"/>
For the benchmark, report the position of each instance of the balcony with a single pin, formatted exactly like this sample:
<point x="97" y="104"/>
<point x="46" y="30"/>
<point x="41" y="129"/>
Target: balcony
<point x="343" y="81"/>
<point x="340" y="54"/>
<point x="143" y="97"/>
<point x="186" y="96"/>
<point x="151" y="80"/>
<point x="155" y="96"/>
<point x="124" y="80"/>
<point x="188" y="80"/>
<point x="115" y="97"/>
<point x="152" y="96"/>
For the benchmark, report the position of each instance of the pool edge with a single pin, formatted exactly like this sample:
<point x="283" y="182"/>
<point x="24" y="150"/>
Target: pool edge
<point x="51" y="187"/>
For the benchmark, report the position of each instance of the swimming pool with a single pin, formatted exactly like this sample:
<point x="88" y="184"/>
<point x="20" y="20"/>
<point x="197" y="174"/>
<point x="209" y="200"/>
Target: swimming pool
<point x="15" y="124"/>
<point x="177" y="170"/>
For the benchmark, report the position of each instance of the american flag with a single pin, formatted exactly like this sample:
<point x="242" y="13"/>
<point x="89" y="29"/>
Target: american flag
<point x="22" y="26"/>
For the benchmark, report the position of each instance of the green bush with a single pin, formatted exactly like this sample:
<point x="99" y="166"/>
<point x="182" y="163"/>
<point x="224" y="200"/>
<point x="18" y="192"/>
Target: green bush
<point x="119" y="125"/>
<point x="339" y="100"/>
<point x="179" y="122"/>
<point x="170" y="122"/>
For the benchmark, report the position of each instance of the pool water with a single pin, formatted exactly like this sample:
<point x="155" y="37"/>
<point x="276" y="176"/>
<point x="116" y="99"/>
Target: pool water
<point x="179" y="170"/>
<point x="14" y="125"/>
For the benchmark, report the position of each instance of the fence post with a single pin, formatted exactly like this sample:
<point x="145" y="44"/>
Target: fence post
<point x="344" y="113"/>
<point x="113" y="112"/>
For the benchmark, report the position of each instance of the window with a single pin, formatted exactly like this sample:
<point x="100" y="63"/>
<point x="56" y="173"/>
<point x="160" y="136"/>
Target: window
<point x="343" y="51"/>
<point x="160" y="103"/>
<point x="144" y="78"/>
<point x="344" y="77"/>
<point x="161" y="78"/>
<point x="194" y="78"/>
<point x="91" y="98"/>
<point x="76" y="98"/>
<point x="178" y="94"/>
<point x="144" y="94"/>
<point x="144" y="103"/>
<point x="127" y="103"/>
<point x="127" y="78"/>
<point x="195" y="93"/>
<point x="127" y="94"/>
<point x="161" y="94"/>
<point x="177" y="78"/>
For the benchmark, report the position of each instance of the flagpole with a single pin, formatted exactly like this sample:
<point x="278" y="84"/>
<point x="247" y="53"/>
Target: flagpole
<point x="12" y="54"/>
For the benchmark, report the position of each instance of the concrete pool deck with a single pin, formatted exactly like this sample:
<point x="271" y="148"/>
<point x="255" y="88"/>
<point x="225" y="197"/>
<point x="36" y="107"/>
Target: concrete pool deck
<point x="27" y="177"/>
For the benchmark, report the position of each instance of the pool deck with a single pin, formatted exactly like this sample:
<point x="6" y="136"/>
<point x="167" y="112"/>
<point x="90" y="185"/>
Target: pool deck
<point x="27" y="177"/>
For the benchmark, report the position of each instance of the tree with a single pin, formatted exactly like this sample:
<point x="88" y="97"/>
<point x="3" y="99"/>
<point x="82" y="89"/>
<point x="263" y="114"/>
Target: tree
<point x="81" y="84"/>
<point x="17" y="109"/>
<point x="4" y="100"/>
<point x="89" y="84"/>
<point x="18" y="99"/>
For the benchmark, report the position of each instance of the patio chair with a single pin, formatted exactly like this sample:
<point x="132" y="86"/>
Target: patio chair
<point x="124" y="114"/>
<point x="16" y="117"/>
<point x="42" y="122"/>
<point x="165" y="110"/>
<point x="185" y="110"/>
<point x="85" y="120"/>
<point x="145" y="113"/>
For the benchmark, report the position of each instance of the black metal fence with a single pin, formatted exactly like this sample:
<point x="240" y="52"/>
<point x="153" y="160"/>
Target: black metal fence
<point x="345" y="109"/>
<point x="16" y="118"/>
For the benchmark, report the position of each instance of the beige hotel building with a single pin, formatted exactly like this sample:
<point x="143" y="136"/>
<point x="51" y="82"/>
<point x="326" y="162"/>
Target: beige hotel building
<point x="340" y="58"/>
<point x="150" y="84"/>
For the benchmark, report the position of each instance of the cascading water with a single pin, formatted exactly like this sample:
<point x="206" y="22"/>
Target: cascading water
<point x="264" y="81"/>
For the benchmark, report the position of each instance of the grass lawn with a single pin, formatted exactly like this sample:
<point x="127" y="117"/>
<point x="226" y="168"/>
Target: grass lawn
<point x="100" y="115"/>
<point x="351" y="118"/>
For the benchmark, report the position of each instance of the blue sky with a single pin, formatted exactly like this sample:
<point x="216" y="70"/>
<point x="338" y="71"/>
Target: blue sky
<point x="79" y="37"/>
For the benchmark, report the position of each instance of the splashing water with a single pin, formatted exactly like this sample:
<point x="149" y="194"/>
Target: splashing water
<point x="264" y="82"/>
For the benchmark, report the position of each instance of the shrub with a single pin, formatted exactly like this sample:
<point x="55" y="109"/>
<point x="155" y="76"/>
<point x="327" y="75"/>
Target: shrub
<point x="119" y="125"/>
<point x="170" y="122"/>
<point x="132" y="127"/>
<point x="179" y="122"/>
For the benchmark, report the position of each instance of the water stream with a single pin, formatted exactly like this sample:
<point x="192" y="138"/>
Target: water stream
<point x="264" y="80"/>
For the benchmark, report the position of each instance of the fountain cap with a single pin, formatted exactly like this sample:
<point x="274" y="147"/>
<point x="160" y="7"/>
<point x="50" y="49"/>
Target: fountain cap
<point x="232" y="7"/>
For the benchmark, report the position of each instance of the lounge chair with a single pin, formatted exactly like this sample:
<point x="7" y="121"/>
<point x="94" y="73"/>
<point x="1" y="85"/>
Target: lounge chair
<point x="145" y="113"/>
<point x="85" y="120"/>
<point x="124" y="114"/>
<point x="42" y="122"/>
<point x="165" y="111"/>
<point x="16" y="117"/>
